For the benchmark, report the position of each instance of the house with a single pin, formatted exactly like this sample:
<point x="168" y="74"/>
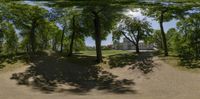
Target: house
<point x="127" y="45"/>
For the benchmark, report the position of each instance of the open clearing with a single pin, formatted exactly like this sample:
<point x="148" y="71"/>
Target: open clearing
<point x="163" y="82"/>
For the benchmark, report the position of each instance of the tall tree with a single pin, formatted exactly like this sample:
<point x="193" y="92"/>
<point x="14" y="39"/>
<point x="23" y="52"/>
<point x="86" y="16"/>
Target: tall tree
<point x="3" y="17"/>
<point x="133" y="30"/>
<point x="28" y="18"/>
<point x="67" y="19"/>
<point x="175" y="40"/>
<point x="103" y="17"/>
<point x="190" y="29"/>
<point x="10" y="38"/>
<point x="164" y="12"/>
<point x="160" y="13"/>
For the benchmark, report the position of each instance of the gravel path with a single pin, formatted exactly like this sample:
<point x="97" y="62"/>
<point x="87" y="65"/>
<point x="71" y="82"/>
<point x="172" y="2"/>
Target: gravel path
<point x="165" y="82"/>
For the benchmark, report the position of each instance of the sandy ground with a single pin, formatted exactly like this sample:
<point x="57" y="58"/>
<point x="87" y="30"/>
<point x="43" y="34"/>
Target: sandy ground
<point x="165" y="82"/>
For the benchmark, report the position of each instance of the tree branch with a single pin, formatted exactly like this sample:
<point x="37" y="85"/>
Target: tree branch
<point x="128" y="38"/>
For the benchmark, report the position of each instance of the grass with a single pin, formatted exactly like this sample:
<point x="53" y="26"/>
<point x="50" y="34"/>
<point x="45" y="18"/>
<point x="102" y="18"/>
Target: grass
<point x="9" y="62"/>
<point x="105" y="53"/>
<point x="83" y="58"/>
<point x="175" y="62"/>
<point x="115" y="59"/>
<point x="111" y="59"/>
<point x="88" y="58"/>
<point x="9" y="67"/>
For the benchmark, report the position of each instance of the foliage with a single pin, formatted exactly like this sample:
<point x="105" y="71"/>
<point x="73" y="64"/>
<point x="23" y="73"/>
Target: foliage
<point x="10" y="38"/>
<point x="183" y="1"/>
<point x="30" y="27"/>
<point x="30" y="20"/>
<point x="174" y="39"/>
<point x="155" y="38"/>
<point x="107" y="47"/>
<point x="133" y="30"/>
<point x="185" y="42"/>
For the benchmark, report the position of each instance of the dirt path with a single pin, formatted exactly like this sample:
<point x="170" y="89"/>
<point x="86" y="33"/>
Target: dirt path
<point x="165" y="82"/>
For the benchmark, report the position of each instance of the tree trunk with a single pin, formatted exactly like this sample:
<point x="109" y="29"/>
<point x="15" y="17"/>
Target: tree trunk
<point x="54" y="45"/>
<point x="32" y="37"/>
<point x="137" y="48"/>
<point x="163" y="35"/>
<point x="72" y="38"/>
<point x="62" y="38"/>
<point x="97" y="37"/>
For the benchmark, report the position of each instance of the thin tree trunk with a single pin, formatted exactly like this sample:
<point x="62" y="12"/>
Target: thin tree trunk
<point x="72" y="38"/>
<point x="97" y="37"/>
<point x="62" y="38"/>
<point x="163" y="35"/>
<point x="137" y="47"/>
<point x="54" y="45"/>
<point x="32" y="37"/>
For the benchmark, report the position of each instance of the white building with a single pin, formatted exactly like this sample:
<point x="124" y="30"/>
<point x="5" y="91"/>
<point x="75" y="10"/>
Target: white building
<point x="127" y="45"/>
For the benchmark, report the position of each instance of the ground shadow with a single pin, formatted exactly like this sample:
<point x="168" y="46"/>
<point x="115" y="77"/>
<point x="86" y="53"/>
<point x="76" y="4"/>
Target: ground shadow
<point x="14" y="58"/>
<point x="50" y="73"/>
<point x="142" y="61"/>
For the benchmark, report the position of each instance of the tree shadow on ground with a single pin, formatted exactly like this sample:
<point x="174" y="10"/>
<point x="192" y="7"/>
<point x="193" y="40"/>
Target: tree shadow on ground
<point x="142" y="61"/>
<point x="56" y="74"/>
<point x="14" y="58"/>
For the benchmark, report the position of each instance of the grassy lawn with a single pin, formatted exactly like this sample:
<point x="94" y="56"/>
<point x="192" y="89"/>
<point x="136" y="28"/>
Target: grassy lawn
<point x="105" y="53"/>
<point x="111" y="58"/>
<point x="86" y="58"/>
<point x="115" y="59"/>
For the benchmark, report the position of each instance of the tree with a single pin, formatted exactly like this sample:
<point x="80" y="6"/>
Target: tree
<point x="1" y="40"/>
<point x="3" y="15"/>
<point x="99" y="18"/>
<point x="62" y="19"/>
<point x="104" y="17"/>
<point x="54" y="35"/>
<point x="74" y="27"/>
<point x="10" y="38"/>
<point x="134" y="30"/>
<point x="165" y="12"/>
<point x="190" y="29"/>
<point x="160" y="13"/>
<point x="28" y="18"/>
<point x="156" y="38"/>
<point x="70" y="20"/>
<point x="175" y="40"/>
